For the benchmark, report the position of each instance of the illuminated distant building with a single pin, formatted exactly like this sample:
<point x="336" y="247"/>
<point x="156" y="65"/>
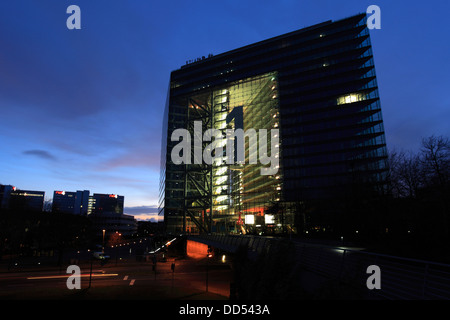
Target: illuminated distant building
<point x="71" y="202"/>
<point x="14" y="199"/>
<point x="26" y="200"/>
<point x="106" y="213"/>
<point x="105" y="203"/>
<point x="316" y="88"/>
<point x="111" y="222"/>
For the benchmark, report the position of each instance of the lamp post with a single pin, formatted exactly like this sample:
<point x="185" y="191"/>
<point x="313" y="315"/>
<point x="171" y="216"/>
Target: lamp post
<point x="103" y="241"/>
<point x="117" y="244"/>
<point x="90" y="273"/>
<point x="208" y="256"/>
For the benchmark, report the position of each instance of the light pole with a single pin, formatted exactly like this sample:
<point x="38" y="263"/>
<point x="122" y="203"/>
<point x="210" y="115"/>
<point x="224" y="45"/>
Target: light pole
<point x="90" y="273"/>
<point x="103" y="241"/>
<point x="117" y="244"/>
<point x="173" y="271"/>
<point x="207" y="276"/>
<point x="208" y="256"/>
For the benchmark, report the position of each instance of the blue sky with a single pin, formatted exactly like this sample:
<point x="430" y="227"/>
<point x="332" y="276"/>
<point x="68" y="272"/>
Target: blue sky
<point x="82" y="109"/>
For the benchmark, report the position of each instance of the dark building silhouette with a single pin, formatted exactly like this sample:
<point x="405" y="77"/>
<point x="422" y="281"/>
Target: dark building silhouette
<point x="106" y="213"/>
<point x="105" y="203"/>
<point x="71" y="202"/>
<point x="26" y="200"/>
<point x="5" y="193"/>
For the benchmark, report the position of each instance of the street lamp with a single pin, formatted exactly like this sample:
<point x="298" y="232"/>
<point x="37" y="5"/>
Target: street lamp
<point x="117" y="245"/>
<point x="103" y="241"/>
<point x="209" y="255"/>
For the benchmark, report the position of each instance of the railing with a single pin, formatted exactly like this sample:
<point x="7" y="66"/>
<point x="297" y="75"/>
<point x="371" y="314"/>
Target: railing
<point x="401" y="278"/>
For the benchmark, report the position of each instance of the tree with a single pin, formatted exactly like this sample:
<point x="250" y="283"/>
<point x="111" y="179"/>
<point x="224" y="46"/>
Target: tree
<point x="436" y="165"/>
<point x="436" y="160"/>
<point x="406" y="173"/>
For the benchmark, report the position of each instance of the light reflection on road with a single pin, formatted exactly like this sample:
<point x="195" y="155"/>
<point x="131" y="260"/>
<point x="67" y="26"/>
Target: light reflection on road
<point x="68" y="275"/>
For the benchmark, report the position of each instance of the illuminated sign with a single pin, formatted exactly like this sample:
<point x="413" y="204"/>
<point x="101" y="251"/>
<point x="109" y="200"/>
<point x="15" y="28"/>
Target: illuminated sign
<point x="249" y="219"/>
<point x="269" y="219"/>
<point x="113" y="195"/>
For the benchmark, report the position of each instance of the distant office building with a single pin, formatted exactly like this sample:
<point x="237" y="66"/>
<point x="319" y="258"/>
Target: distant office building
<point x="106" y="213"/>
<point x="71" y="202"/>
<point x="82" y="202"/>
<point x="26" y="200"/>
<point x="5" y="194"/>
<point x="105" y="203"/>
<point x="63" y="201"/>
<point x="112" y="222"/>
<point x="316" y="88"/>
<point x="15" y="199"/>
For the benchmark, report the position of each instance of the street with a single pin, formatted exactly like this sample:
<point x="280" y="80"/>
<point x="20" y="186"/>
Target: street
<point x="124" y="276"/>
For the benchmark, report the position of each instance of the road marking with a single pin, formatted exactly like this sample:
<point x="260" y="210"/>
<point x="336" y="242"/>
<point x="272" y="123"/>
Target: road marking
<point x="81" y="275"/>
<point x="131" y="282"/>
<point x="125" y="278"/>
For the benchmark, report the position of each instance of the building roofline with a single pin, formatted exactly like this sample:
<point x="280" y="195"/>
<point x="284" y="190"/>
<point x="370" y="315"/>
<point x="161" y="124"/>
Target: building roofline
<point x="259" y="43"/>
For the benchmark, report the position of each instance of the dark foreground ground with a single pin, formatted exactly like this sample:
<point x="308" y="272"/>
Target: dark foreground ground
<point x="122" y="280"/>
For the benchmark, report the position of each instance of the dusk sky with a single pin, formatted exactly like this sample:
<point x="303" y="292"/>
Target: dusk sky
<point x="82" y="109"/>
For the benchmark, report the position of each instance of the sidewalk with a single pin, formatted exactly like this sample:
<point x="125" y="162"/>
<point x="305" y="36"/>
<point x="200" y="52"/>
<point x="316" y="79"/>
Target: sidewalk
<point x="188" y="282"/>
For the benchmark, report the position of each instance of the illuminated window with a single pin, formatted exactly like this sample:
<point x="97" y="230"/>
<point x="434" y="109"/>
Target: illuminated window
<point x="249" y="219"/>
<point x="269" y="219"/>
<point x="350" y="98"/>
<point x="221" y="198"/>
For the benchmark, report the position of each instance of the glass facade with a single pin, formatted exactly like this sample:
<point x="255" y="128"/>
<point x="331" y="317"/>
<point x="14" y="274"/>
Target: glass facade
<point x="233" y="188"/>
<point x="316" y="88"/>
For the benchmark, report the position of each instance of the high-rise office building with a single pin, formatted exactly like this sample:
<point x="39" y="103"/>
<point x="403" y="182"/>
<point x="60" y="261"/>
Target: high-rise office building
<point x="63" y="201"/>
<point x="307" y="103"/>
<point x="106" y="213"/>
<point x="5" y="194"/>
<point x="26" y="200"/>
<point x="81" y="202"/>
<point x="14" y="199"/>
<point x="111" y="222"/>
<point x="105" y="203"/>
<point x="71" y="202"/>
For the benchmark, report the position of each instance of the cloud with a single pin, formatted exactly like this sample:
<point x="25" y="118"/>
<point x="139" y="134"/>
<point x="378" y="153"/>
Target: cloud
<point x="141" y="209"/>
<point x="144" y="213"/>
<point x="150" y="218"/>
<point x="140" y="148"/>
<point x="146" y="159"/>
<point x="40" y="154"/>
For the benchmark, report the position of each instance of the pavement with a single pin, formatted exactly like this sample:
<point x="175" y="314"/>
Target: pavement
<point x="126" y="279"/>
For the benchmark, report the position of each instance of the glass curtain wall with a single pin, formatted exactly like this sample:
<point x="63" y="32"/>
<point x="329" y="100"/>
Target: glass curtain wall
<point x="233" y="192"/>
